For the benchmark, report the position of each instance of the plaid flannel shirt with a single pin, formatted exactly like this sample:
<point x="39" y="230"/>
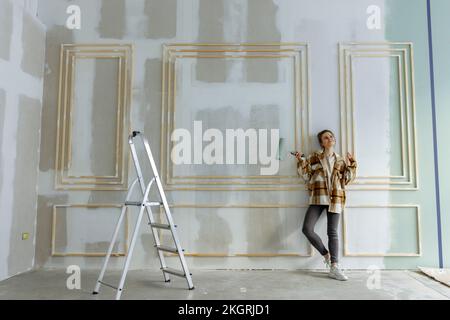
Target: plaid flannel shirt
<point x="312" y="171"/>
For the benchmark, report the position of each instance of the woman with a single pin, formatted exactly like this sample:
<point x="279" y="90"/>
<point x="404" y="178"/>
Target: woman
<point x="326" y="174"/>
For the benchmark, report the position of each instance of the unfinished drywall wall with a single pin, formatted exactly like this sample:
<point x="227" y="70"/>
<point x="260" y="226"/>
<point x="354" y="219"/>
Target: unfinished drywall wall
<point x="6" y="29"/>
<point x="21" y="253"/>
<point x="22" y="47"/>
<point x="32" y="46"/>
<point x="242" y="228"/>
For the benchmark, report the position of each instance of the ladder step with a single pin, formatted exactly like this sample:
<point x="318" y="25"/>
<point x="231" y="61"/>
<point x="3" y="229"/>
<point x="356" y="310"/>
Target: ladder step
<point x="166" y="248"/>
<point x="153" y="204"/>
<point x="148" y="204"/>
<point x="133" y="203"/>
<point x="108" y="285"/>
<point x="175" y="272"/>
<point x="160" y="226"/>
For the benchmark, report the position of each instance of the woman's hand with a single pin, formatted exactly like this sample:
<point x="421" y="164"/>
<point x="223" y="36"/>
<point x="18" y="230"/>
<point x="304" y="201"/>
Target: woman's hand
<point x="298" y="155"/>
<point x="350" y="170"/>
<point x="350" y="157"/>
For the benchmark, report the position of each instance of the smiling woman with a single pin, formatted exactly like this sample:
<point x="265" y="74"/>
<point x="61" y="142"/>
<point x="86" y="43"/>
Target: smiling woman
<point x="326" y="174"/>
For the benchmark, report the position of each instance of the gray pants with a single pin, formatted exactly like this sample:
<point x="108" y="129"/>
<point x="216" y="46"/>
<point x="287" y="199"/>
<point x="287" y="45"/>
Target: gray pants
<point x="312" y="215"/>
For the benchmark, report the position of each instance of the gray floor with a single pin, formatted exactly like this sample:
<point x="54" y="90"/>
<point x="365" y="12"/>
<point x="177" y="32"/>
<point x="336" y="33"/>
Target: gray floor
<point x="228" y="284"/>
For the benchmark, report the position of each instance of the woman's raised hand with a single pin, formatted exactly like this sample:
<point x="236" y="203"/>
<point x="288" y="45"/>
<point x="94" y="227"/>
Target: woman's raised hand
<point x="350" y="157"/>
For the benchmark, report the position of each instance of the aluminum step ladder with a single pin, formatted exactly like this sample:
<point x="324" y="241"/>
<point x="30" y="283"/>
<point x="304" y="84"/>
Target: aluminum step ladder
<point x="145" y="205"/>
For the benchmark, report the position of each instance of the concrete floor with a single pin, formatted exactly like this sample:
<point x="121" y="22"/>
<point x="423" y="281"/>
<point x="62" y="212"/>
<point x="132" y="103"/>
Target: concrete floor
<point x="228" y="284"/>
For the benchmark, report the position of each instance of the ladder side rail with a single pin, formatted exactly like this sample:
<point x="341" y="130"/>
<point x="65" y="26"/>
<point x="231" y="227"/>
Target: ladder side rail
<point x="148" y="210"/>
<point x="156" y="175"/>
<point x="113" y="239"/>
<point x="168" y="213"/>
<point x="157" y="241"/>
<point x="133" y="243"/>
<point x="137" y="165"/>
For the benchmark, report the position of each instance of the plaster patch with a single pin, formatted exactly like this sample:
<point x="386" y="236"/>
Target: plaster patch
<point x="6" y="28"/>
<point x="214" y="232"/>
<point x="212" y="70"/>
<point x="211" y="16"/>
<point x="162" y="18"/>
<point x="262" y="21"/>
<point x="103" y="120"/>
<point x="262" y="27"/>
<point x="33" y="45"/>
<point x="151" y="103"/>
<point x="56" y="36"/>
<point x="112" y="19"/>
<point x="262" y="70"/>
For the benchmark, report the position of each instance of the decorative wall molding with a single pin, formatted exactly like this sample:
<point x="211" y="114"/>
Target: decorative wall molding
<point x="403" y="53"/>
<point x="54" y="253"/>
<point x="298" y="52"/>
<point x="418" y="232"/>
<point x="70" y="54"/>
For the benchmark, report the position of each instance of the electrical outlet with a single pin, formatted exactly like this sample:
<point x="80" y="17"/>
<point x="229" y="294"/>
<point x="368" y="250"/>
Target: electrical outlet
<point x="25" y="236"/>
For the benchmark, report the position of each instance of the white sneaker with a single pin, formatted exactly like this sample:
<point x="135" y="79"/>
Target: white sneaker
<point x="337" y="273"/>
